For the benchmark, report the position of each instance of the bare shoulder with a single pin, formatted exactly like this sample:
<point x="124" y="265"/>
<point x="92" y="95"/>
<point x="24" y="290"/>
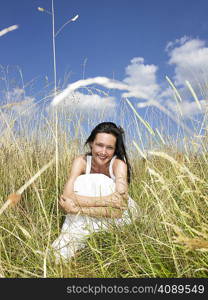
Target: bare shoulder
<point x="79" y="164"/>
<point x="119" y="166"/>
<point x="120" y="163"/>
<point x="81" y="158"/>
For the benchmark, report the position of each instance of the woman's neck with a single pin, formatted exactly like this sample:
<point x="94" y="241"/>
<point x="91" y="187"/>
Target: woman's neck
<point x="96" y="168"/>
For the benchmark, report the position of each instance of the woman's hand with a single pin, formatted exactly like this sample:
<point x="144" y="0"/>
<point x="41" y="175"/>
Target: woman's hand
<point x="119" y="200"/>
<point x="68" y="205"/>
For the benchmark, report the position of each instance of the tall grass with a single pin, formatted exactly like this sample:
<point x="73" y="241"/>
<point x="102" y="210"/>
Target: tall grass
<point x="169" y="238"/>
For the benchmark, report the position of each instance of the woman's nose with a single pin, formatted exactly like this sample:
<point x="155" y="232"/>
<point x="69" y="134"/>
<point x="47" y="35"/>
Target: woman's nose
<point x="103" y="150"/>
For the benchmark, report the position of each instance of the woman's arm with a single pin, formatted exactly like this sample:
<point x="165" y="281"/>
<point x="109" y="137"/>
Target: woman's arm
<point x="101" y="212"/>
<point x="114" y="200"/>
<point x="118" y="199"/>
<point x="98" y="212"/>
<point x="77" y="168"/>
<point x="120" y="172"/>
<point x="112" y="205"/>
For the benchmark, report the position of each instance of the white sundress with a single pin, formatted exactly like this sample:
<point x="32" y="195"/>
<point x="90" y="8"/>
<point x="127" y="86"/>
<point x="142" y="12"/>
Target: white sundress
<point x="77" y="228"/>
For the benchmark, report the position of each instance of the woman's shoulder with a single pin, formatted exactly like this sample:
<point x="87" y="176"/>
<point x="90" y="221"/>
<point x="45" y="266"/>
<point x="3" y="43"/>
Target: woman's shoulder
<point x="118" y="164"/>
<point x="118" y="161"/>
<point x="82" y="158"/>
<point x="80" y="161"/>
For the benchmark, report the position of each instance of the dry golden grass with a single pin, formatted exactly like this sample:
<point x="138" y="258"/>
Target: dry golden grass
<point x="8" y="29"/>
<point x="170" y="187"/>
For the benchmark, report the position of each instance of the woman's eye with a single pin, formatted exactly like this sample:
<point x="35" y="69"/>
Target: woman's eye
<point x="100" y="145"/>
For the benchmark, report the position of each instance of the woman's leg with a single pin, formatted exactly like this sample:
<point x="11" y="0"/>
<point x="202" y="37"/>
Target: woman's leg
<point x="72" y="238"/>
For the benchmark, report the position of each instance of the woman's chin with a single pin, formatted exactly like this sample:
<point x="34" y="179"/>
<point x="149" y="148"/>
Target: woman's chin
<point x="103" y="160"/>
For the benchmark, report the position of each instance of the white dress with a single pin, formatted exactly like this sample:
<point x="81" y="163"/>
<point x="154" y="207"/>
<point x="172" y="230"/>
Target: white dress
<point x="77" y="228"/>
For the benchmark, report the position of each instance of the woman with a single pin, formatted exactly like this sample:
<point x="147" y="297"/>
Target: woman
<point x="96" y="193"/>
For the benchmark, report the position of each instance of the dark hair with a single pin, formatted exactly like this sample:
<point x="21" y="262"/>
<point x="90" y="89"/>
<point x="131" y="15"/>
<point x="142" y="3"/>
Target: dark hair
<point x="118" y="132"/>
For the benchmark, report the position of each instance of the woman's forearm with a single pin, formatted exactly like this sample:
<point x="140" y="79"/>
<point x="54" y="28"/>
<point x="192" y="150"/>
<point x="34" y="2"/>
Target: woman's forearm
<point x="114" y="200"/>
<point x="99" y="212"/>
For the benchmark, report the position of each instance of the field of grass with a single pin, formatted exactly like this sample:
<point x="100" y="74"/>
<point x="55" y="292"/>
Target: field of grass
<point x="169" y="184"/>
<point x="169" y="238"/>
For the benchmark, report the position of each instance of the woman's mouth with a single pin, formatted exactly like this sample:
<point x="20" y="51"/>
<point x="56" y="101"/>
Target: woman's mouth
<point x="102" y="157"/>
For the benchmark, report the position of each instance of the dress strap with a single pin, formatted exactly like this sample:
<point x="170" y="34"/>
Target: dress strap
<point x="111" y="167"/>
<point x="88" y="167"/>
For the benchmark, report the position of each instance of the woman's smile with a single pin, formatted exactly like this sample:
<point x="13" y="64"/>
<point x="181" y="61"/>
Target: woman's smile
<point x="103" y="147"/>
<point x="102" y="157"/>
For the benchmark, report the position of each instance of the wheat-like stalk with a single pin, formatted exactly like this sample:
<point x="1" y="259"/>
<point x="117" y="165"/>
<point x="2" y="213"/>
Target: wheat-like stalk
<point x="14" y="198"/>
<point x="179" y="166"/>
<point x="8" y="105"/>
<point x="190" y="243"/>
<point x="8" y="29"/>
<point x="1" y="272"/>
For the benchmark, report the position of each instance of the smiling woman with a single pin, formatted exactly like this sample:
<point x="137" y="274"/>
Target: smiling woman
<point x="102" y="151"/>
<point x="96" y="193"/>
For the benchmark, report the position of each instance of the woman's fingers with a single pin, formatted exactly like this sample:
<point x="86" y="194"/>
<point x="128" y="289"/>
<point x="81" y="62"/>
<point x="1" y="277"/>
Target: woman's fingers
<point x="118" y="197"/>
<point x="61" y="201"/>
<point x="64" y="201"/>
<point x="62" y="198"/>
<point x="67" y="204"/>
<point x="62" y="204"/>
<point x="119" y="200"/>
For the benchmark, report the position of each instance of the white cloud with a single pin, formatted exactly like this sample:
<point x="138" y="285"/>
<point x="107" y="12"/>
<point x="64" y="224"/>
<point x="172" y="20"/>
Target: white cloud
<point x="88" y="102"/>
<point x="190" y="60"/>
<point x="103" y="81"/>
<point x="180" y="41"/>
<point x="141" y="79"/>
<point x="187" y="108"/>
<point x="17" y="104"/>
<point x="189" y="57"/>
<point x="140" y="83"/>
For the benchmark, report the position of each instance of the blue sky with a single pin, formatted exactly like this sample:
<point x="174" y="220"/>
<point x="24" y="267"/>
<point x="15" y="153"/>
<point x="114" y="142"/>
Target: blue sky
<point x="130" y="45"/>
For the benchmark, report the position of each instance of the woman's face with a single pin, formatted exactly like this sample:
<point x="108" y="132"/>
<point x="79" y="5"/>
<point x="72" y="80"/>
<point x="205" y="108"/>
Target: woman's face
<point x="103" y="148"/>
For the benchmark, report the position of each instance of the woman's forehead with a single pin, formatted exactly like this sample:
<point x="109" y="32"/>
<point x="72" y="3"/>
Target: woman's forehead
<point x="105" y="138"/>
